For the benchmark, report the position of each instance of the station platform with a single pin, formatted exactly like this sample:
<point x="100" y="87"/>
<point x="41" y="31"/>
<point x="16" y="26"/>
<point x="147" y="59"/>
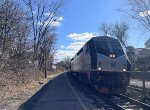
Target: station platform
<point x="61" y="95"/>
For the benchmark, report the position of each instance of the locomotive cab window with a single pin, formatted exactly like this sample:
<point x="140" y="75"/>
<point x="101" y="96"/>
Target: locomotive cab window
<point x="102" y="47"/>
<point x="117" y="48"/>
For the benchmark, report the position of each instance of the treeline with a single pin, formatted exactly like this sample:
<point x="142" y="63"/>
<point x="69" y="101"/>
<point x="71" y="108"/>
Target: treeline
<point x="139" y="63"/>
<point x="28" y="31"/>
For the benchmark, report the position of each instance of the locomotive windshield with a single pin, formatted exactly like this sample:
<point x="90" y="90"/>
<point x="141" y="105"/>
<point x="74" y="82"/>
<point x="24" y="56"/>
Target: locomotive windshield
<point x="117" y="49"/>
<point x="102" y="47"/>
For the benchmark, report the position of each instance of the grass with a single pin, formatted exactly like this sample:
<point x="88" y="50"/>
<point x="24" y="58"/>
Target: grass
<point x="14" y="92"/>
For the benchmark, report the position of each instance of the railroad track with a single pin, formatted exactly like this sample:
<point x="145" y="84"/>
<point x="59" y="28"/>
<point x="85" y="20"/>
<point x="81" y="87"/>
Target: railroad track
<point x="114" y="102"/>
<point x="138" y="89"/>
<point x="147" y="100"/>
<point x="102" y="105"/>
<point x="139" y="92"/>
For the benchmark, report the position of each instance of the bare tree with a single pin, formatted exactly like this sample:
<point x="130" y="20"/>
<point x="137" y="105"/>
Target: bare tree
<point x="105" y="29"/>
<point x="142" y="64"/>
<point x="8" y="10"/>
<point x="13" y="30"/>
<point x="44" y="17"/>
<point x="65" y="63"/>
<point x="28" y="33"/>
<point x="119" y="31"/>
<point x="130" y="52"/>
<point x="14" y="41"/>
<point x="46" y="52"/>
<point x="131" y="55"/>
<point x="140" y="11"/>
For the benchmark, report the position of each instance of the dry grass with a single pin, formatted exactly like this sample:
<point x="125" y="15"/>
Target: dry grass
<point x="14" y="91"/>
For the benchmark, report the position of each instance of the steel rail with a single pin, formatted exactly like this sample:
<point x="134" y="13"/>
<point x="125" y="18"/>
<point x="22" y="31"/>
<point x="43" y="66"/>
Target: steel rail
<point x="80" y="87"/>
<point x="138" y="88"/>
<point x="143" y="105"/>
<point x="134" y="104"/>
<point x="96" y="97"/>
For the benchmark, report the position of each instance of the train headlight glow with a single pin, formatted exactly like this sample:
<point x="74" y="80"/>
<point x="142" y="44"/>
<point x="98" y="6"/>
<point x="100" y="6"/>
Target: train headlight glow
<point x="110" y="55"/>
<point x="99" y="68"/>
<point x="124" y="69"/>
<point x="113" y="55"/>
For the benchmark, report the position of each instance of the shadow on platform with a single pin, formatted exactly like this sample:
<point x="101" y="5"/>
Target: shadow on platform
<point x="29" y="104"/>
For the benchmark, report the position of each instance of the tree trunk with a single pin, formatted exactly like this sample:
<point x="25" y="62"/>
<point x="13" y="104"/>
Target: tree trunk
<point x="45" y="65"/>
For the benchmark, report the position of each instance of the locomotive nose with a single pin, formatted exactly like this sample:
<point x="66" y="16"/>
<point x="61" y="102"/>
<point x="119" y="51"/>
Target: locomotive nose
<point x="113" y="64"/>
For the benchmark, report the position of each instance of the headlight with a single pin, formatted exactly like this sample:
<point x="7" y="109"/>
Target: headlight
<point x="110" y="55"/>
<point x="99" y="68"/>
<point x="113" y="55"/>
<point x="124" y="69"/>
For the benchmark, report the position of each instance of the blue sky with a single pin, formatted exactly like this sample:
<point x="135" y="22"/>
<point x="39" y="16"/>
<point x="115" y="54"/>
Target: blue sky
<point x="81" y="20"/>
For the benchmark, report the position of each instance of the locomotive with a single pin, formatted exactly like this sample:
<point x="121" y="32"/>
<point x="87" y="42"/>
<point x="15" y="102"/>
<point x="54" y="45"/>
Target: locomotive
<point x="103" y="65"/>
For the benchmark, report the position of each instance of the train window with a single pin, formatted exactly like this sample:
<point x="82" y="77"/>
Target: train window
<point x="102" y="47"/>
<point x="117" y="49"/>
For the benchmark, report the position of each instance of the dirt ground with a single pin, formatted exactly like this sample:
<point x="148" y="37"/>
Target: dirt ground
<point x="12" y="95"/>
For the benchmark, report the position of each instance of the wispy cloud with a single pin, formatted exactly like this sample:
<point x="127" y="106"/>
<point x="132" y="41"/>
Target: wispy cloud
<point x="81" y="37"/>
<point x="53" y="22"/>
<point x="60" y="18"/>
<point x="144" y="13"/>
<point x="51" y="15"/>
<point x="62" y="54"/>
<point x="62" y="46"/>
<point x="48" y="14"/>
<point x="75" y="46"/>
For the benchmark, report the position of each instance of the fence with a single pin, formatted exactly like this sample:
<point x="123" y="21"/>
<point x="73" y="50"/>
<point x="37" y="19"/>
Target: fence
<point x="140" y="75"/>
<point x="143" y="77"/>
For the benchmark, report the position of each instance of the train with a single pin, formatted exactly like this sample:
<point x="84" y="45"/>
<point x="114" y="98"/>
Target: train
<point x="102" y="64"/>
